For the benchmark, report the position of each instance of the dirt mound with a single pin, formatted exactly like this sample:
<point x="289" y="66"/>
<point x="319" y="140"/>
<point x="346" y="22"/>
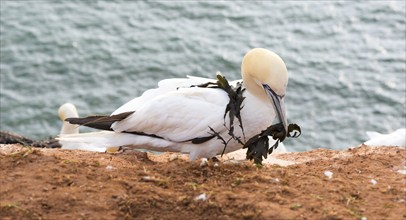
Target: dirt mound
<point x="63" y="184"/>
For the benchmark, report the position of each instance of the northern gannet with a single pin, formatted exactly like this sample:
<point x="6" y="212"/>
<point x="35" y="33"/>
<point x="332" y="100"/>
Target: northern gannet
<point x="179" y="116"/>
<point x="68" y="110"/>
<point x="396" y="138"/>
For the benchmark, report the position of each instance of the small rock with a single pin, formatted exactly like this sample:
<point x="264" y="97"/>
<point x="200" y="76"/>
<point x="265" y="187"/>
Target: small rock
<point x="364" y="218"/>
<point x="328" y="174"/>
<point x="216" y="164"/>
<point x="204" y="162"/>
<point x="152" y="179"/>
<point x="109" y="167"/>
<point x="201" y="197"/>
<point x="147" y="179"/>
<point x="374" y="182"/>
<point x="402" y="172"/>
<point x="173" y="157"/>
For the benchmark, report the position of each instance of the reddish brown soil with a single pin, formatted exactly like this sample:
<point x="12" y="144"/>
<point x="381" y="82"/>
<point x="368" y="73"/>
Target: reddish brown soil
<point x="62" y="184"/>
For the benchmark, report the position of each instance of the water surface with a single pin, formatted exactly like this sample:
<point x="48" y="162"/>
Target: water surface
<point x="346" y="60"/>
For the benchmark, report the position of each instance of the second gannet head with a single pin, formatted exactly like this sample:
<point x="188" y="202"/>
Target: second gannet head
<point x="68" y="110"/>
<point x="265" y="75"/>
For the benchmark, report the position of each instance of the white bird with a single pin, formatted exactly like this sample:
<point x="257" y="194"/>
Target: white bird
<point x="178" y="117"/>
<point x="396" y="138"/>
<point x="68" y="110"/>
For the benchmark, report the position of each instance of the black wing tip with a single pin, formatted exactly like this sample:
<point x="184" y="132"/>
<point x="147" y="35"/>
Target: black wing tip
<point x="71" y="120"/>
<point x="102" y="122"/>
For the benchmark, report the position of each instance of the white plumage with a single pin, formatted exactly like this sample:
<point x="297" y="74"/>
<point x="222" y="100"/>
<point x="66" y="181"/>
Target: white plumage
<point x="178" y="113"/>
<point x="68" y="110"/>
<point x="396" y="138"/>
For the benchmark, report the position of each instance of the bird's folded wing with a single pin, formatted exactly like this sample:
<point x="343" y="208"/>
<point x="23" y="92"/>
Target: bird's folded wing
<point x="180" y="115"/>
<point x="164" y="86"/>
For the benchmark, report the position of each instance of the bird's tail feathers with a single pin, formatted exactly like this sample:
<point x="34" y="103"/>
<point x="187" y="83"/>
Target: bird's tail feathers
<point x="101" y="140"/>
<point x="93" y="141"/>
<point x="101" y="122"/>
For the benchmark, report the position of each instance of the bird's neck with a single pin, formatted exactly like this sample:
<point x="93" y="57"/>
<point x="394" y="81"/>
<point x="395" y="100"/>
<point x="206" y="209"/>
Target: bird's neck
<point x="69" y="128"/>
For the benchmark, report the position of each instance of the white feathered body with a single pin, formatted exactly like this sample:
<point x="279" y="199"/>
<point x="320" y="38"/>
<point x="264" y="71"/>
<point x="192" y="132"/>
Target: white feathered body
<point x="178" y="113"/>
<point x="396" y="138"/>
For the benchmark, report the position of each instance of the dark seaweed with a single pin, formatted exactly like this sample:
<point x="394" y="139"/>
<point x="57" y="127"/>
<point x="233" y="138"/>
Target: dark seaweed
<point x="10" y="138"/>
<point x="257" y="146"/>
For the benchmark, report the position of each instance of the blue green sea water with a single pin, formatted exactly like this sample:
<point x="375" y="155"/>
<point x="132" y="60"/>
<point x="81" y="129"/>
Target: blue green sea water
<point x="346" y="60"/>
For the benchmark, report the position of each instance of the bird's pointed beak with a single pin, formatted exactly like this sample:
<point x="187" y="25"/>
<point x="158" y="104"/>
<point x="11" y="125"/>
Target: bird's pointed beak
<point x="279" y="106"/>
